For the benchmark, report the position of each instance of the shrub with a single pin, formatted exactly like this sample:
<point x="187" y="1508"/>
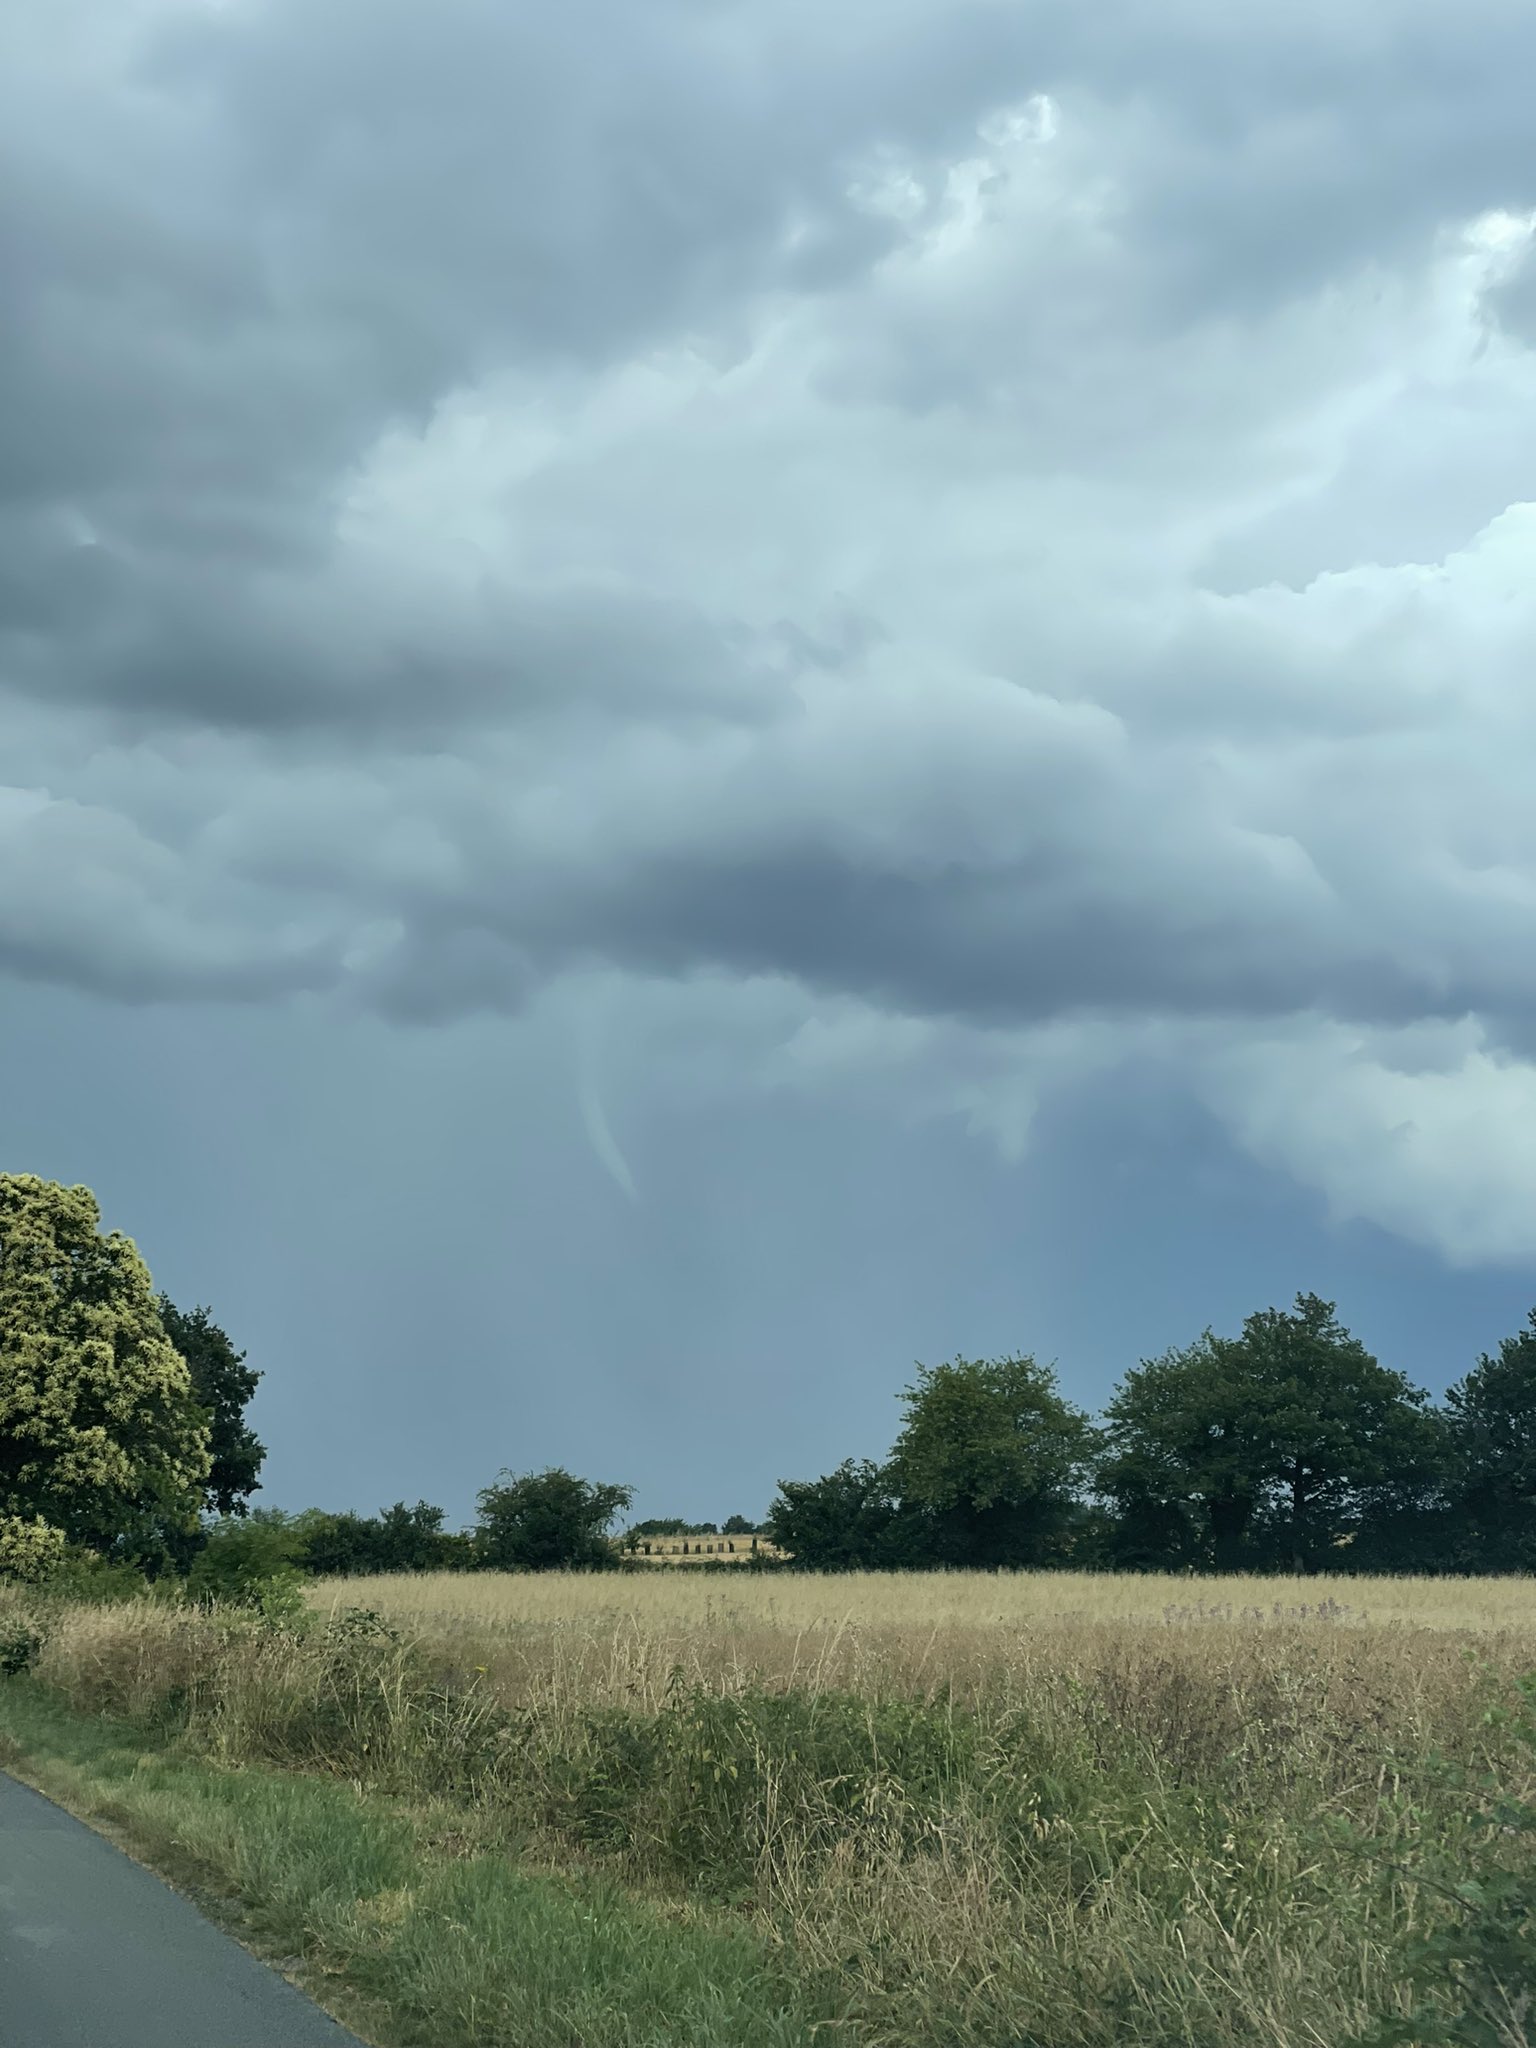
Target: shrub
<point x="92" y="1580"/>
<point x="29" y="1549"/>
<point x="280" y="1598"/>
<point x="361" y="1625"/>
<point x="248" y="1561"/>
<point x="1475" y="1969"/>
<point x="400" y="1539"/>
<point x="21" y="1640"/>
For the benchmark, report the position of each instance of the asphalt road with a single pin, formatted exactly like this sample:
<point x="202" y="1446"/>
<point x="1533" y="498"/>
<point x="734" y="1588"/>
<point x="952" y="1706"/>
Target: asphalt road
<point x="95" y="1952"/>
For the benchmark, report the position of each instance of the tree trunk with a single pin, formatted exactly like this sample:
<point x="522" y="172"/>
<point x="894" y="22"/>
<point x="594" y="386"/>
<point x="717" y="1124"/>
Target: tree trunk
<point x="1299" y="1555"/>
<point x="1230" y="1515"/>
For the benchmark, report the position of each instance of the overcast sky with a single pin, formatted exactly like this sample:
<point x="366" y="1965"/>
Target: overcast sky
<point x="701" y="697"/>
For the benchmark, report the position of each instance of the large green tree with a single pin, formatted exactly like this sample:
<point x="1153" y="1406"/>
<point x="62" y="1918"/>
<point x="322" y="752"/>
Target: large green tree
<point x="101" y="1435"/>
<point x="1492" y="1417"/>
<point x="993" y="1457"/>
<point x="222" y="1384"/>
<point x="1181" y="1460"/>
<point x="548" y="1521"/>
<point x="846" y="1521"/>
<point x="1281" y="1442"/>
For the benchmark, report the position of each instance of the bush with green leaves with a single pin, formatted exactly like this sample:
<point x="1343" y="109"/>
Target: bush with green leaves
<point x="252" y="1561"/>
<point x="361" y="1625"/>
<point x="21" y="1640"/>
<point x="1473" y="1971"/>
<point x="397" y="1539"/>
<point x="92" y="1580"/>
<point x="548" y="1521"/>
<point x="30" y="1548"/>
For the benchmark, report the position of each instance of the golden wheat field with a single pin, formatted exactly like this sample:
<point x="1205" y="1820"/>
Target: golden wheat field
<point x="916" y="1600"/>
<point x="624" y="1639"/>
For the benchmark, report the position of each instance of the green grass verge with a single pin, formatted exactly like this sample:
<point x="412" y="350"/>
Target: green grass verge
<point x="408" y="1942"/>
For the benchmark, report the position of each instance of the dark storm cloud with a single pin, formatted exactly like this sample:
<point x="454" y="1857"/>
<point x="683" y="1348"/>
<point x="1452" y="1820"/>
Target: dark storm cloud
<point x="245" y="245"/>
<point x="238" y="241"/>
<point x="622" y="627"/>
<point x="266" y="650"/>
<point x="237" y="251"/>
<point x="1008" y="947"/>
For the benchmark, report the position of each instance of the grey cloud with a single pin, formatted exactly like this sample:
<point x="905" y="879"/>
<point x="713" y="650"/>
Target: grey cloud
<point x="1265" y="157"/>
<point x="1511" y="304"/>
<point x="685" y="506"/>
<point x="435" y="976"/>
<point x="89" y="902"/>
<point x="1392" y="501"/>
<point x="285" y="229"/>
<point x="1017" y="944"/>
<point x="276" y="230"/>
<point x="312" y="218"/>
<point x="369" y="647"/>
<point x="936" y="844"/>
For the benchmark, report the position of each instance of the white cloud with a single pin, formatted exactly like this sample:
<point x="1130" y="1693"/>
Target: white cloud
<point x="1425" y="1134"/>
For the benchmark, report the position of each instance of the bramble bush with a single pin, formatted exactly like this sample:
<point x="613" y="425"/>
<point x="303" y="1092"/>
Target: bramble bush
<point x="1475" y="1969"/>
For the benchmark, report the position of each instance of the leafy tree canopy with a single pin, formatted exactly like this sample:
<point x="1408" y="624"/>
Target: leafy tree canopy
<point x="995" y="1456"/>
<point x="100" y="1433"/>
<point x="847" y="1521"/>
<point x="1492" y="1415"/>
<point x="1179" y="1432"/>
<point x="1279" y="1440"/>
<point x="548" y="1521"/>
<point x="223" y="1384"/>
<point x="400" y="1539"/>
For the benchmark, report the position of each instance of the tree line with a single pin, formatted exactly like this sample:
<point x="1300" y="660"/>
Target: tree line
<point x="1286" y="1448"/>
<point x="123" y="1436"/>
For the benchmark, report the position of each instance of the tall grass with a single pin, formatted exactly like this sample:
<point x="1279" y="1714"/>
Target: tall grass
<point x="974" y="1821"/>
<point x="399" y="1924"/>
<point x="912" y="1601"/>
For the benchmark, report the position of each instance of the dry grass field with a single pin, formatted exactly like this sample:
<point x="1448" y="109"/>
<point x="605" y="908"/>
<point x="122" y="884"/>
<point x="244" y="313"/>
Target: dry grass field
<point x="960" y="1634"/>
<point x="946" y="1811"/>
<point x="926" y="1600"/>
<point x="1162" y="1653"/>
